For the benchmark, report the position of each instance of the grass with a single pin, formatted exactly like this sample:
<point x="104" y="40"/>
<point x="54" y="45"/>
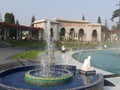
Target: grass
<point x="68" y="45"/>
<point x="114" y="44"/>
<point x="25" y="43"/>
<point x="80" y="45"/>
<point x="33" y="54"/>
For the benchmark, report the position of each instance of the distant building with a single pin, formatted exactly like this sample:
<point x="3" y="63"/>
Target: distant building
<point x="62" y="29"/>
<point x="111" y="35"/>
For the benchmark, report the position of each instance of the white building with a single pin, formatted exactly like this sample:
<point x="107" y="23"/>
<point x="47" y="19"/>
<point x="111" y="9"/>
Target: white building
<point x="62" y="29"/>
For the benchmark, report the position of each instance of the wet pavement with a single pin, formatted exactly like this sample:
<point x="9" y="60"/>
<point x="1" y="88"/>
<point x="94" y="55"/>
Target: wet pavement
<point x="6" y="51"/>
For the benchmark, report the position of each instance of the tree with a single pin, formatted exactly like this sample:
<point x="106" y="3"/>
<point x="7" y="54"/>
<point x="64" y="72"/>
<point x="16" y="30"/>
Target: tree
<point x="17" y="22"/>
<point x="32" y="20"/>
<point x="116" y="27"/>
<point x="99" y="20"/>
<point x="105" y="27"/>
<point x="83" y="17"/>
<point x="9" y="18"/>
<point x="115" y="14"/>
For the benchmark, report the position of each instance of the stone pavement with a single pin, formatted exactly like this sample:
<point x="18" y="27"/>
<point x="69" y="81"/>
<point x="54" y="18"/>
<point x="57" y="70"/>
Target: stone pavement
<point x="6" y="53"/>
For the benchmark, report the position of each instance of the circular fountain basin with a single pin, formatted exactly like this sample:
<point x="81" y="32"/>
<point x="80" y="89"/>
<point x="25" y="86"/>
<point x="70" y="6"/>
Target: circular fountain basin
<point x="13" y="79"/>
<point x="56" y="77"/>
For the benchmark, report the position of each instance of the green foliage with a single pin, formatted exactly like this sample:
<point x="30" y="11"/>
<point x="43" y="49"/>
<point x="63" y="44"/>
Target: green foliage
<point x="116" y="27"/>
<point x="103" y="28"/>
<point x="27" y="55"/>
<point x="80" y="45"/>
<point x="99" y="20"/>
<point x="83" y="17"/>
<point x="17" y="22"/>
<point x="9" y="18"/>
<point x="116" y="13"/>
<point x="32" y="20"/>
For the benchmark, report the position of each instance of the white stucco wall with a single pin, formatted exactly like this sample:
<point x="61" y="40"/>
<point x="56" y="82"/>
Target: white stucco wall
<point x="57" y="24"/>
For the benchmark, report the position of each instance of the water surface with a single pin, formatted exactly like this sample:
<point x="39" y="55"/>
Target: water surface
<point x="108" y="60"/>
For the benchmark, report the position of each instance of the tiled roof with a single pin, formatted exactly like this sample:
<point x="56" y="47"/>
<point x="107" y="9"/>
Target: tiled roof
<point x="112" y="31"/>
<point x="4" y="24"/>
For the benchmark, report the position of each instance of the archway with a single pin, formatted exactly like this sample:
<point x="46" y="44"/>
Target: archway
<point x="94" y="35"/>
<point x="72" y="34"/>
<point x="62" y="33"/>
<point x="81" y="35"/>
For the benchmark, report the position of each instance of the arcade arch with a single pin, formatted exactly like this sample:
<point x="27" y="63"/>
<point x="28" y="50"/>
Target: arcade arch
<point x="81" y="34"/>
<point x="62" y="33"/>
<point x="74" y="30"/>
<point x="71" y="34"/>
<point x="94" y="35"/>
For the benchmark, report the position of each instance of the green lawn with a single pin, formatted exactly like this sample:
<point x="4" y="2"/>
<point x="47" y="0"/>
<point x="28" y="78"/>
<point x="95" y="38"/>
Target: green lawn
<point x="80" y="45"/>
<point x="25" y="43"/>
<point x="34" y="53"/>
<point x="27" y="54"/>
<point x="68" y="45"/>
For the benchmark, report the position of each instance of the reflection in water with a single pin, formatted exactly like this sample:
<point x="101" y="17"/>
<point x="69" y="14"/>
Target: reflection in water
<point x="87" y="79"/>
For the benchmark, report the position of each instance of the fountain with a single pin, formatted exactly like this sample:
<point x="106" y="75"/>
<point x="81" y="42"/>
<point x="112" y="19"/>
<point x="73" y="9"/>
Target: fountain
<point x="86" y="65"/>
<point x="48" y="75"/>
<point x="86" y="68"/>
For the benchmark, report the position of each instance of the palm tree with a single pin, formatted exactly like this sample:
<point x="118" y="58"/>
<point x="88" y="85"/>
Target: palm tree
<point x="116" y="13"/>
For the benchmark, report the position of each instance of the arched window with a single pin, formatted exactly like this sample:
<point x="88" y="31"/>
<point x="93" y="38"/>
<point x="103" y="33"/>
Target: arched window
<point x="81" y="34"/>
<point x="94" y="35"/>
<point x="62" y="33"/>
<point x="72" y="33"/>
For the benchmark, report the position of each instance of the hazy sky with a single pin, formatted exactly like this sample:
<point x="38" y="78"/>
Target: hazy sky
<point x="23" y="10"/>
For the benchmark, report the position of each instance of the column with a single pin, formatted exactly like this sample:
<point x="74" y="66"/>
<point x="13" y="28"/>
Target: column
<point x="5" y="33"/>
<point x="17" y="36"/>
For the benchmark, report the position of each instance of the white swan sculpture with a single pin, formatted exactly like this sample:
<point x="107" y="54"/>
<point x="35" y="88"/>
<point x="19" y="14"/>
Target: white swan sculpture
<point x="86" y="65"/>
